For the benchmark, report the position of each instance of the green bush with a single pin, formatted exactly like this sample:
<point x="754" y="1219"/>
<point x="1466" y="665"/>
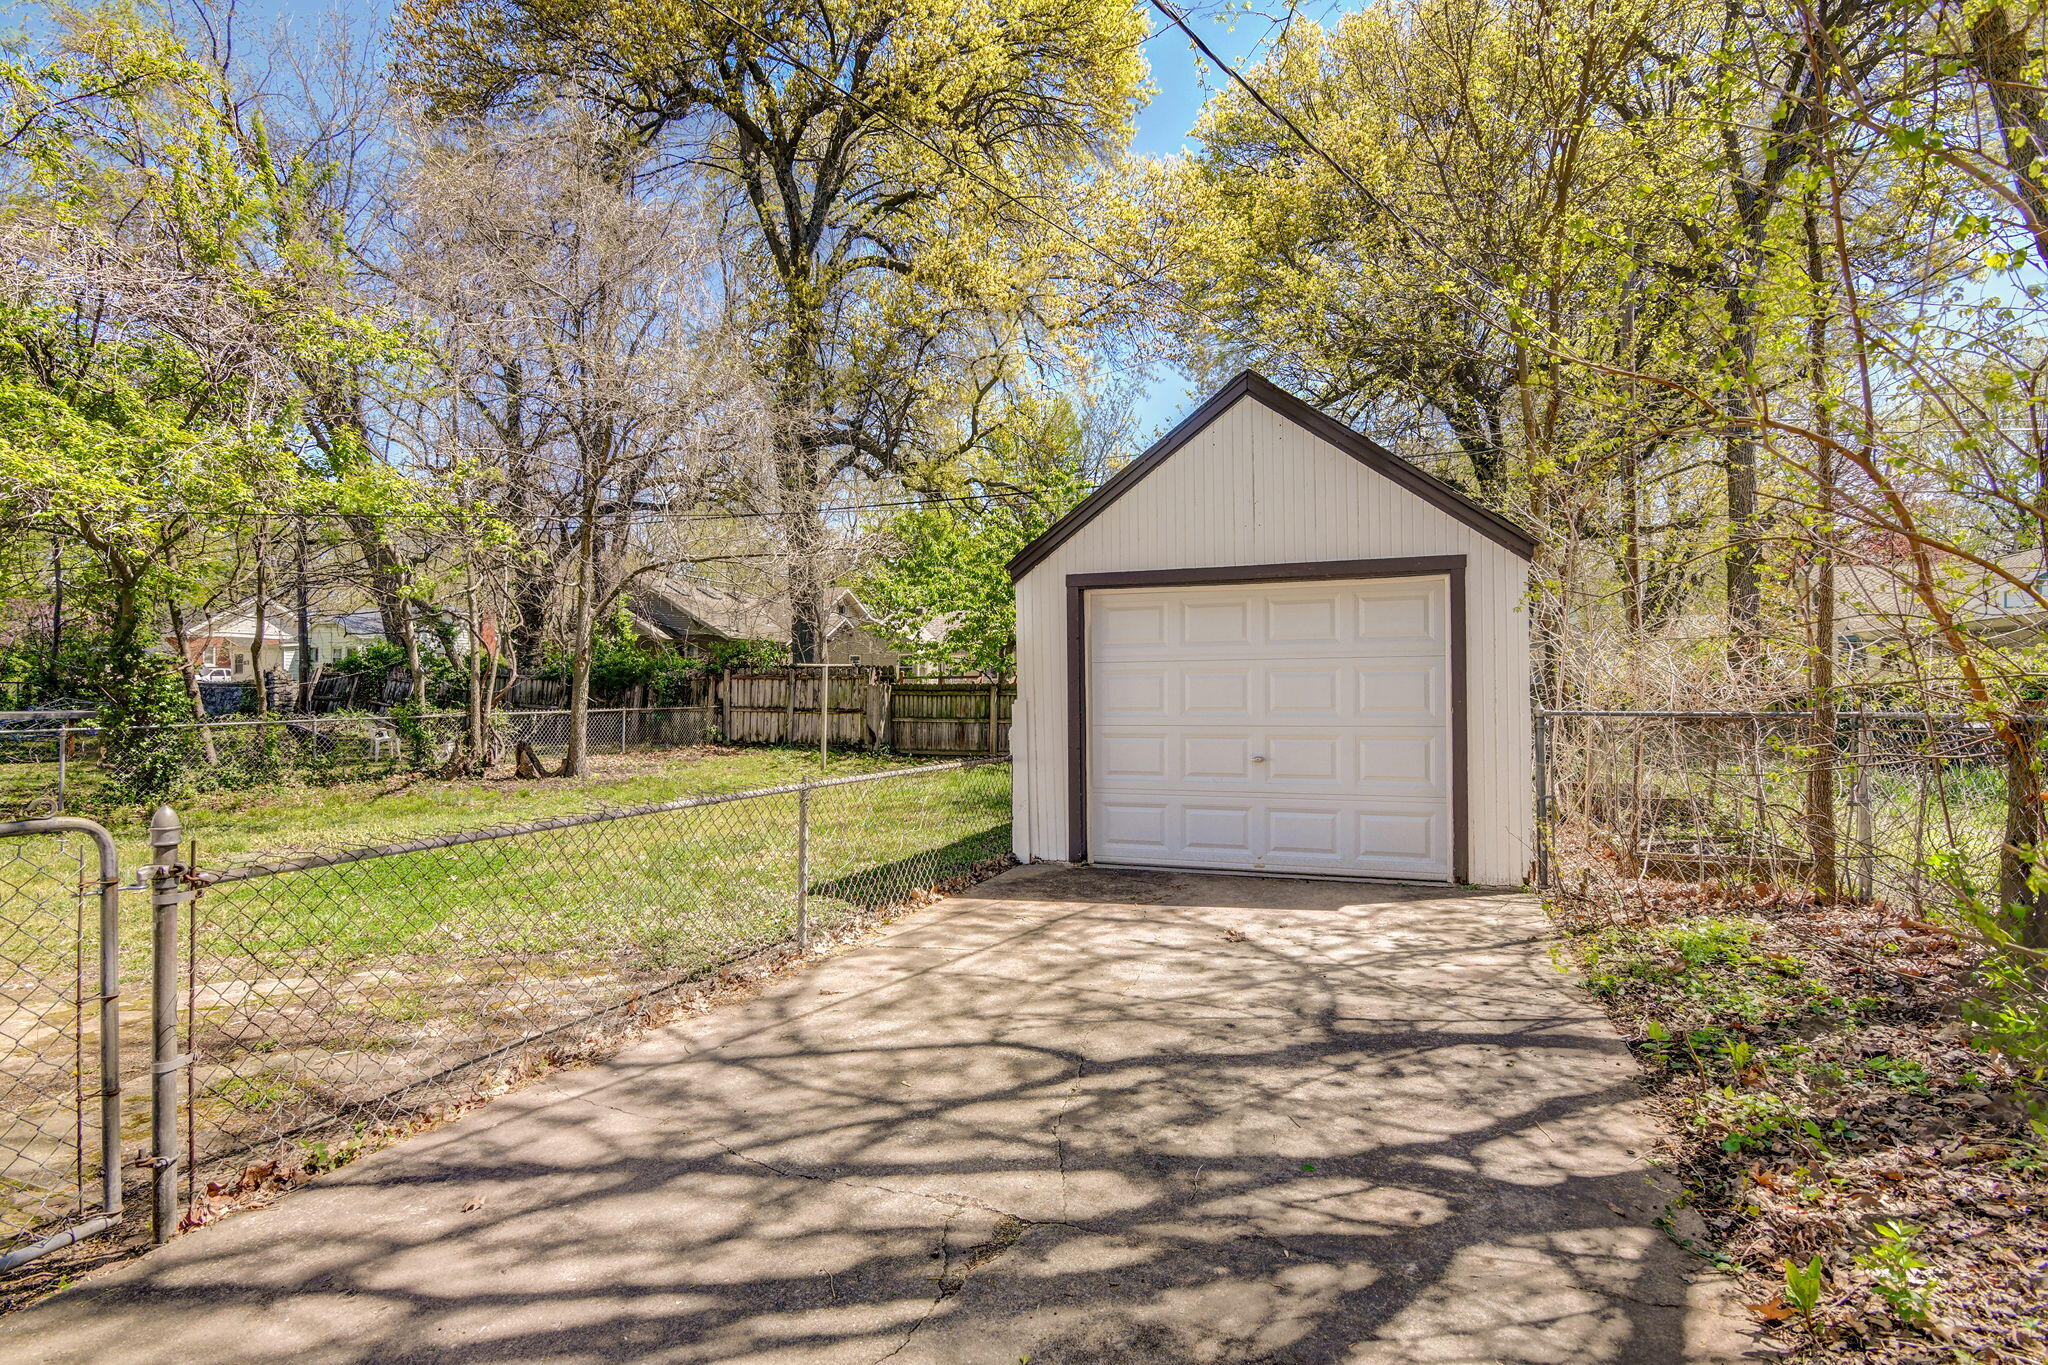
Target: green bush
<point x="148" y="747"/>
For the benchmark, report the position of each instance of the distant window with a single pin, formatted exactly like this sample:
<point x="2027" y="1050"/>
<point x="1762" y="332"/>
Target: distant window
<point x="312" y="654"/>
<point x="241" y="663"/>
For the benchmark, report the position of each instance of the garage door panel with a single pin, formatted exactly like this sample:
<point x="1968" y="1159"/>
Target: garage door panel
<point x="1127" y="624"/>
<point x="1295" y="834"/>
<point x="1307" y="757"/>
<point x="1400" y="621"/>
<point x="1225" y="622"/>
<point x="1403" y="763"/>
<point x="1211" y="830"/>
<point x="1295" y="619"/>
<point x="1210" y="694"/>
<point x="1215" y="758"/>
<point x="1134" y="692"/>
<point x="1135" y="756"/>
<point x="1417" y="839"/>
<point x="1307" y="691"/>
<point x="1399" y="692"/>
<point x="1134" y="830"/>
<point x="1299" y="727"/>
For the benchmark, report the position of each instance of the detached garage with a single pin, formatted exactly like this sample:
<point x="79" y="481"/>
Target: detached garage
<point x="1270" y="645"/>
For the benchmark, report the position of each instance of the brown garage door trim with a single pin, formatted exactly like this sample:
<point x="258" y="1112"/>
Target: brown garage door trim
<point x="1414" y="566"/>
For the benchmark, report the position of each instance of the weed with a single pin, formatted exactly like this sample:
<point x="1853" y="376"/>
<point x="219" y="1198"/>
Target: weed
<point x="1747" y="1120"/>
<point x="1657" y="1041"/>
<point x="257" y="1093"/>
<point x="1741" y="1054"/>
<point x="1898" y="1072"/>
<point x="1803" y="1285"/>
<point x="1899" y="1273"/>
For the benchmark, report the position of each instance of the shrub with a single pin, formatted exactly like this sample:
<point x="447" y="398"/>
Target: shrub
<point x="148" y="748"/>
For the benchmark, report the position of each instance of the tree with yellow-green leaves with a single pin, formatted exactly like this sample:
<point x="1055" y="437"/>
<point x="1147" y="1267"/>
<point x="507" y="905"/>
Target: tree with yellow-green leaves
<point x="1473" y="214"/>
<point x="905" y="189"/>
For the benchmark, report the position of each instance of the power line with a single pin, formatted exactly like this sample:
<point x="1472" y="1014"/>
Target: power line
<point x="289" y="515"/>
<point x="1443" y="253"/>
<point x="1127" y="269"/>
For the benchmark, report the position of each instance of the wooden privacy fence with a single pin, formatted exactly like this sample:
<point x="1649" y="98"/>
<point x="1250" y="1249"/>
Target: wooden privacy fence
<point x="864" y="708"/>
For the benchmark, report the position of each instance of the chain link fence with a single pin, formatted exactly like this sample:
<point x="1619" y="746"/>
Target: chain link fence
<point x="1870" y="800"/>
<point x="60" y="1111"/>
<point x="45" y="768"/>
<point x="289" y="1007"/>
<point x="331" y="991"/>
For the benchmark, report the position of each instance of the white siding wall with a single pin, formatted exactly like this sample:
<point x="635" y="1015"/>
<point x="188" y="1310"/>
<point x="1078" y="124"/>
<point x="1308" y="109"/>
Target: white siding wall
<point x="1254" y="488"/>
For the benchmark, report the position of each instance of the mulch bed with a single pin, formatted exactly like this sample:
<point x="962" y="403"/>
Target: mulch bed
<point x="1856" y="1138"/>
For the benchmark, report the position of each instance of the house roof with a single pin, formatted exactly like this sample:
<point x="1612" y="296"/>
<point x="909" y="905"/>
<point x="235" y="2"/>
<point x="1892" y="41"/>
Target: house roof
<point x="1359" y="447"/>
<point x="239" y="623"/>
<point x="1877" y="599"/>
<point x="682" y="610"/>
<point x="369" y="622"/>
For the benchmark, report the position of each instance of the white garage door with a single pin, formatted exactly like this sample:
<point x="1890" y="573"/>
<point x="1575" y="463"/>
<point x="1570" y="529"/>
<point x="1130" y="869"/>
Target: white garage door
<point x="1299" y="727"/>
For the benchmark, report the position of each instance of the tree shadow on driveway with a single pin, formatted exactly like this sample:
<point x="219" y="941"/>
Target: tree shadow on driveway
<point x="1082" y="1116"/>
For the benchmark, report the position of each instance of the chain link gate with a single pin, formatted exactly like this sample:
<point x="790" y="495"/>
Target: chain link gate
<point x="60" y="1031"/>
<point x="304" y="1000"/>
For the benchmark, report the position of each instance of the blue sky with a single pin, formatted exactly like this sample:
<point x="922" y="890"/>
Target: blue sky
<point x="1184" y="82"/>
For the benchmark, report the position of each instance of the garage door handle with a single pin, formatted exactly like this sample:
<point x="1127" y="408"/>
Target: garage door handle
<point x="1258" y="758"/>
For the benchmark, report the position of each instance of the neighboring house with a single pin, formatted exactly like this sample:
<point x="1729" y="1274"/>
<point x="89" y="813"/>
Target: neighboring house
<point x="690" y="615"/>
<point x="224" y="646"/>
<point x="932" y="637"/>
<point x="334" y="636"/>
<point x="1878" y="611"/>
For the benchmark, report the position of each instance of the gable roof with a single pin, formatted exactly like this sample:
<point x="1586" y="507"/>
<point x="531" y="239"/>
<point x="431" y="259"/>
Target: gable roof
<point x="682" y="609"/>
<point x="1366" y="451"/>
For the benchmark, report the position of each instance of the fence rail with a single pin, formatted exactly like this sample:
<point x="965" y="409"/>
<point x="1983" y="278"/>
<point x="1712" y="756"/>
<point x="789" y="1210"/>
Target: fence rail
<point x="54" y="763"/>
<point x="60" y="1027"/>
<point x="297" y="1000"/>
<point x="1864" y="801"/>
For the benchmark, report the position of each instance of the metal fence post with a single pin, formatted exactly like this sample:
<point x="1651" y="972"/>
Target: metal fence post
<point x="803" y="869"/>
<point x="1866" y="841"/>
<point x="1542" y="800"/>
<point x="63" y="759"/>
<point x="166" y="894"/>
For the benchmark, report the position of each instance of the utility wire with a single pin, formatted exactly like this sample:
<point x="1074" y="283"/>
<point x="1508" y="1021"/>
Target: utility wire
<point x="1442" y="252"/>
<point x="423" y="514"/>
<point x="1128" y="270"/>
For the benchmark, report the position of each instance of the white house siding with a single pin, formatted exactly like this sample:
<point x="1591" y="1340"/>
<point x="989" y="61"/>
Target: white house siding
<point x="1256" y="488"/>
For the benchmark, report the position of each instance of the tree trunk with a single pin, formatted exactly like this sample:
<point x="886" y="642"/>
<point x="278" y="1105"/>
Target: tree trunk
<point x="262" y="624"/>
<point x="806" y="588"/>
<point x="302" y="592"/>
<point x="1743" y="578"/>
<point x="387" y="581"/>
<point x="1820" y="779"/>
<point x="576" y="763"/>
<point x="2000" y="54"/>
<point x="189" y="675"/>
<point x="2026" y="836"/>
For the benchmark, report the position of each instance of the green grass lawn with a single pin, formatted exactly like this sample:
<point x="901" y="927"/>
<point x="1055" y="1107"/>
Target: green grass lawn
<point x="315" y="992"/>
<point x="237" y="826"/>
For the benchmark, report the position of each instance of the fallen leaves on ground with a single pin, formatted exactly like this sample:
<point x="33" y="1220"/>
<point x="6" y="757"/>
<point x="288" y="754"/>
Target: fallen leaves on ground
<point x="1826" y="1095"/>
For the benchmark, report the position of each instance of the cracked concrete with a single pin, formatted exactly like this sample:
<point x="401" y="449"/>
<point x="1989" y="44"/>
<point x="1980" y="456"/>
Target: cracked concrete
<point x="1081" y="1116"/>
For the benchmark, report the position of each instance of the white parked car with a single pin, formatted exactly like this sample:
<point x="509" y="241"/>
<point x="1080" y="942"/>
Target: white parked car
<point x="216" y="674"/>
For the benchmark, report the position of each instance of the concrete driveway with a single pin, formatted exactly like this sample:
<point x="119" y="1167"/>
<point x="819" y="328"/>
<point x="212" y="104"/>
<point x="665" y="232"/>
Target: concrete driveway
<point x="1081" y="1116"/>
